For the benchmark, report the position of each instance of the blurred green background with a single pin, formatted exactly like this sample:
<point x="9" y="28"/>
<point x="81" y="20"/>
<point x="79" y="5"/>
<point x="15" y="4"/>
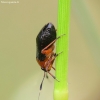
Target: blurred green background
<point x="20" y="75"/>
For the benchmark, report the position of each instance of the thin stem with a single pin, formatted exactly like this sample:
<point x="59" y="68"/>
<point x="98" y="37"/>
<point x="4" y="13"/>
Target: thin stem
<point x="61" y="88"/>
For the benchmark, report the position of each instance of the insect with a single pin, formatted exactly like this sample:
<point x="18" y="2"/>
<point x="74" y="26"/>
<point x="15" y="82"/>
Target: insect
<point x="45" y="45"/>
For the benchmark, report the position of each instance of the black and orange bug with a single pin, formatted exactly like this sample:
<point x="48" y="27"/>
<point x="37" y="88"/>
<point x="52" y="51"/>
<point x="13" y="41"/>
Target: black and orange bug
<point x="45" y="45"/>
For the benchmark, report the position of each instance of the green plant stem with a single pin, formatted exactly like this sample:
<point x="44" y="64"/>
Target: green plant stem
<point x="61" y="88"/>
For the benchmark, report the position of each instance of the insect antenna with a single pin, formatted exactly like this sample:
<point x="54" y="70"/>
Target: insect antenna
<point x="41" y="85"/>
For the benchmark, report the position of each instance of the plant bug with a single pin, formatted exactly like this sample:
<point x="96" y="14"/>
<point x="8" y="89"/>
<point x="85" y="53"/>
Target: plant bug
<point x="45" y="45"/>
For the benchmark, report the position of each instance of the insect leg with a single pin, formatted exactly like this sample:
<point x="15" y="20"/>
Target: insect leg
<point x="42" y="51"/>
<point x="53" y="68"/>
<point x="51" y="60"/>
<point x="48" y="51"/>
<point x="55" y="55"/>
<point x="53" y="76"/>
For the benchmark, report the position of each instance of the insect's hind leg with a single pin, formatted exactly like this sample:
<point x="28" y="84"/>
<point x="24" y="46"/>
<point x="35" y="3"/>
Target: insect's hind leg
<point x="43" y="50"/>
<point x="53" y="68"/>
<point x="53" y="76"/>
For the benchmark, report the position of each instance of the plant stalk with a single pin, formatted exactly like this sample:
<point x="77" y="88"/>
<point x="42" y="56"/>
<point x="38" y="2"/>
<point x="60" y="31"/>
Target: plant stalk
<point x="62" y="45"/>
